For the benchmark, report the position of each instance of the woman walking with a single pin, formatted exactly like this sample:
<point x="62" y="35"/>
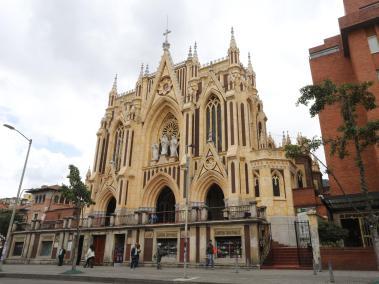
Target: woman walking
<point x="90" y="257"/>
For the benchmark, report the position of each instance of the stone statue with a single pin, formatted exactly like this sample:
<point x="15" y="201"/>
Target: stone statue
<point x="164" y="145"/>
<point x="132" y="112"/>
<point x="155" y="152"/>
<point x="173" y="146"/>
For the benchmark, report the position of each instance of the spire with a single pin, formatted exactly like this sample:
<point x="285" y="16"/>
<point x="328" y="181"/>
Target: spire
<point x="195" y="51"/>
<point x="189" y="53"/>
<point x="147" y="70"/>
<point x="284" y="141"/>
<point x="233" y="43"/>
<point x="141" y="71"/>
<point x="288" y="139"/>
<point x="249" y="66"/>
<point x="114" y="86"/>
<point x="166" y="44"/>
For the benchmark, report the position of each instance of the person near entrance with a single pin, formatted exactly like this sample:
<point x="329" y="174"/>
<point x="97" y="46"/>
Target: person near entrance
<point x="160" y="253"/>
<point x="210" y="252"/>
<point x="61" y="254"/>
<point x="90" y="257"/>
<point x="134" y="255"/>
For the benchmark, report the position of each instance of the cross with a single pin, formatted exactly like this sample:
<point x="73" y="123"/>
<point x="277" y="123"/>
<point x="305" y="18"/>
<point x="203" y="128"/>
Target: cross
<point x="167" y="30"/>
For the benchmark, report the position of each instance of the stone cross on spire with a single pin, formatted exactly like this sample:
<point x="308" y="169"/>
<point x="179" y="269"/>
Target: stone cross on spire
<point x="166" y="44"/>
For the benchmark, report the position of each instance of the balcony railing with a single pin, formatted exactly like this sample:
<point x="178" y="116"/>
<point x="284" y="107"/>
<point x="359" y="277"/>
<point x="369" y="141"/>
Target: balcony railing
<point x="145" y="216"/>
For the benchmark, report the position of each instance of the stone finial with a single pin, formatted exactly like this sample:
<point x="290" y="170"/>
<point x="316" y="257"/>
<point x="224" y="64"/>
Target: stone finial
<point x="166" y="44"/>
<point x="147" y="70"/>
<point x="233" y="43"/>
<point x="284" y="141"/>
<point x="88" y="175"/>
<point x="189" y="53"/>
<point x="141" y="71"/>
<point x="114" y="86"/>
<point x="249" y="65"/>
<point x="288" y="139"/>
<point x="195" y="51"/>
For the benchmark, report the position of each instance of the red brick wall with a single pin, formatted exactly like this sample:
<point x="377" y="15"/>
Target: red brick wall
<point x="349" y="258"/>
<point x="360" y="66"/>
<point x="354" y="5"/>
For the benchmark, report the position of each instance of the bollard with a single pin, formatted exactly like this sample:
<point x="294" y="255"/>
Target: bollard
<point x="331" y="276"/>
<point x="319" y="264"/>
<point x="314" y="267"/>
<point x="236" y="271"/>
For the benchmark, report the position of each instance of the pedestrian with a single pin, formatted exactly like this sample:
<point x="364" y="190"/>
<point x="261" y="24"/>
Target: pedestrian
<point x="210" y="252"/>
<point x="138" y="251"/>
<point x="61" y="254"/>
<point x="90" y="257"/>
<point x="159" y="254"/>
<point x="133" y="257"/>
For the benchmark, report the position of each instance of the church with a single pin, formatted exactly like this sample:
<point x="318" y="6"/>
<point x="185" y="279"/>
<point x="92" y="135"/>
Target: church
<point x="189" y="142"/>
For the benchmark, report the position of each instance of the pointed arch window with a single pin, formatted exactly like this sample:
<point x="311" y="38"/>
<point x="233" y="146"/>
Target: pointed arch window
<point x="256" y="185"/>
<point x="300" y="183"/>
<point x="276" y="185"/>
<point x="214" y="122"/>
<point x="118" y="145"/>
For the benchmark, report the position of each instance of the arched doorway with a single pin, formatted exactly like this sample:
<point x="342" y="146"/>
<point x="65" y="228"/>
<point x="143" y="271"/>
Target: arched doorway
<point x="165" y="209"/>
<point x="111" y="207"/>
<point x="215" y="203"/>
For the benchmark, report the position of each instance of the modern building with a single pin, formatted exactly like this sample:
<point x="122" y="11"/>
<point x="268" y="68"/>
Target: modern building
<point x="351" y="56"/>
<point x="186" y="130"/>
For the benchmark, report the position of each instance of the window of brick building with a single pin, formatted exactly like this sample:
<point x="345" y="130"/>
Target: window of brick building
<point x="373" y="43"/>
<point x="17" y="249"/>
<point x="46" y="247"/>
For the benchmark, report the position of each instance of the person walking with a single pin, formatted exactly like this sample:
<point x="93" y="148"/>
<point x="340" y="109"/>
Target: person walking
<point x="210" y="252"/>
<point x="133" y="257"/>
<point x="61" y="254"/>
<point x="160" y="253"/>
<point x="138" y="251"/>
<point x="90" y="257"/>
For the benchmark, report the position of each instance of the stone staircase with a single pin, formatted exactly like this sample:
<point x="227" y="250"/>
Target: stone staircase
<point x="283" y="257"/>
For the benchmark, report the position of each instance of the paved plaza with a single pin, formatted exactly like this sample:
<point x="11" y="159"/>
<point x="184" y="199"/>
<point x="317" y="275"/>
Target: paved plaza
<point x="109" y="274"/>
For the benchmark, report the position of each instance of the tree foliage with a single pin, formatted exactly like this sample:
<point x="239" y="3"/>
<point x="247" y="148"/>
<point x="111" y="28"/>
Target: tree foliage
<point x="330" y="233"/>
<point x="77" y="192"/>
<point x="5" y="217"/>
<point x="350" y="98"/>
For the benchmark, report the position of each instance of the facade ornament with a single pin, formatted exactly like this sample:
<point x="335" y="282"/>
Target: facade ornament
<point x="164" y="145"/>
<point x="155" y="152"/>
<point x="147" y="70"/>
<point x="174" y="146"/>
<point x="195" y="51"/>
<point x="189" y="53"/>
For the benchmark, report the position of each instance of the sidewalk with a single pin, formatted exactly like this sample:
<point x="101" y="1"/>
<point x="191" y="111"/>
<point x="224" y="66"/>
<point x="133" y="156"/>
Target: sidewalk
<point x="110" y="274"/>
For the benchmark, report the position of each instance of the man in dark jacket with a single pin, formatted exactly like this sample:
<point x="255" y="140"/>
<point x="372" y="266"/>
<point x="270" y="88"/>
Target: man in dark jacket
<point x="210" y="251"/>
<point x="61" y="254"/>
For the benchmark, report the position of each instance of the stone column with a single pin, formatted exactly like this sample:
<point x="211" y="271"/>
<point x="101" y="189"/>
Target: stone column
<point x="69" y="222"/>
<point x="112" y="220"/>
<point x="38" y="224"/>
<point x="313" y="227"/>
<point x="254" y="244"/>
<point x="204" y="213"/>
<point x="253" y="209"/>
<point x="90" y="221"/>
<point x="33" y="225"/>
<point x="65" y="222"/>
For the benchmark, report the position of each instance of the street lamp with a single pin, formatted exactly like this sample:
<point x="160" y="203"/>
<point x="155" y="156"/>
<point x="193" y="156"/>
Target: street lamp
<point x="186" y="210"/>
<point x="5" y="247"/>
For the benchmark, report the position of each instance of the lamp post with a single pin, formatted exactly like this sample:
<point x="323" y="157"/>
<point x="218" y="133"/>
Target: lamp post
<point x="186" y="210"/>
<point x="5" y="247"/>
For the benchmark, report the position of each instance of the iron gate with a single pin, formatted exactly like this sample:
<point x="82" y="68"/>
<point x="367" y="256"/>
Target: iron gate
<point x="304" y="243"/>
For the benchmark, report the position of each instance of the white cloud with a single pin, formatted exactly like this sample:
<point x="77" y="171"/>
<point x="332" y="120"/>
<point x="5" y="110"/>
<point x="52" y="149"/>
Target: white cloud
<point x="58" y="59"/>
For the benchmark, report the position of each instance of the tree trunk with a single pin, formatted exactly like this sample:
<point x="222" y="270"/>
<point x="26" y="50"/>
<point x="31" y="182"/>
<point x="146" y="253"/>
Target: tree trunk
<point x="76" y="245"/>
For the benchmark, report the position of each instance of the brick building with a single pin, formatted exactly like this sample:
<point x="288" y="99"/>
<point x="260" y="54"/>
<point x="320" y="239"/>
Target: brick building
<point x="351" y="56"/>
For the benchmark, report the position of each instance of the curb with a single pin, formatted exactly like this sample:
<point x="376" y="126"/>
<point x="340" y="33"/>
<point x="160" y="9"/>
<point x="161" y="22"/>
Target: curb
<point x="96" y="279"/>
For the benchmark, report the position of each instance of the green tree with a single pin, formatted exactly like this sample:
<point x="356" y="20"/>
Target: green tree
<point x="5" y="217"/>
<point x="348" y="98"/>
<point x="77" y="193"/>
<point x="330" y="233"/>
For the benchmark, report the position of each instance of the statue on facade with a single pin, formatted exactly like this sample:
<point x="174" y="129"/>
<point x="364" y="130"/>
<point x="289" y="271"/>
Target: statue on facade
<point x="132" y="112"/>
<point x="155" y="152"/>
<point x="174" y="146"/>
<point x="164" y="145"/>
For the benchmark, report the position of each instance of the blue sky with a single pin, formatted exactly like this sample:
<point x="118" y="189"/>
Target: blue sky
<point x="58" y="60"/>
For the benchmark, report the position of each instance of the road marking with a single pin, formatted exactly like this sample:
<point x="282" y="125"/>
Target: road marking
<point x="185" y="279"/>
